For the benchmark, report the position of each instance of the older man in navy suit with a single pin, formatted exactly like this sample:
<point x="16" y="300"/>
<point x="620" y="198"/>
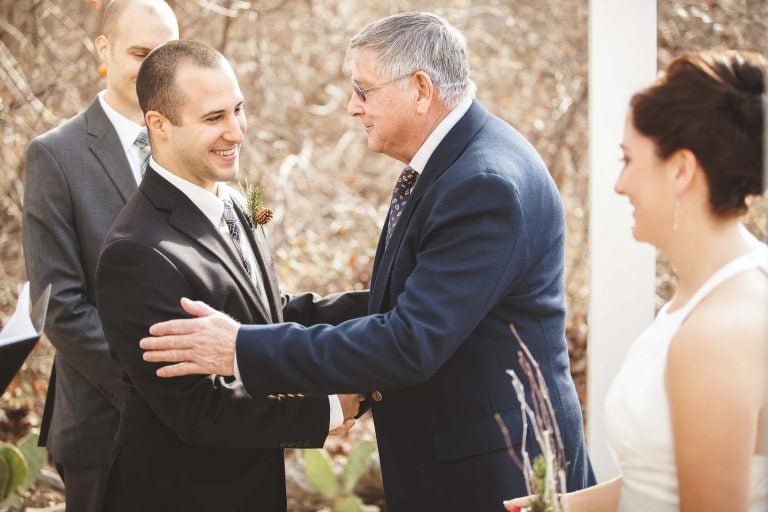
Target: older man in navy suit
<point x="473" y="243"/>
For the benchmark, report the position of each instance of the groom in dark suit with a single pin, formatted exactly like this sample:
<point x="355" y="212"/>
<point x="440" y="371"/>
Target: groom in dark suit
<point x="474" y="242"/>
<point x="78" y="177"/>
<point x="198" y="443"/>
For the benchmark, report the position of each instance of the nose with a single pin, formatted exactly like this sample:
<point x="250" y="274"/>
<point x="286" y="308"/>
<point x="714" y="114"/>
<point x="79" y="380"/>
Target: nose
<point x="355" y="105"/>
<point x="618" y="187"/>
<point x="237" y="128"/>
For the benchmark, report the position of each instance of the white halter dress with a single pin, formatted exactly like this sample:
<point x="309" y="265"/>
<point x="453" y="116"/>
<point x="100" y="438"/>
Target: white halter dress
<point x="637" y="410"/>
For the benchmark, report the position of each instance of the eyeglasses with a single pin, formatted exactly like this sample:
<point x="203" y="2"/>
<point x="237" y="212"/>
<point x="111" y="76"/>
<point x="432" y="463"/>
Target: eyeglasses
<point x="361" y="92"/>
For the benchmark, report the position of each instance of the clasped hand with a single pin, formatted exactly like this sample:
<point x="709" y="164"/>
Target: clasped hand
<point x="350" y="407"/>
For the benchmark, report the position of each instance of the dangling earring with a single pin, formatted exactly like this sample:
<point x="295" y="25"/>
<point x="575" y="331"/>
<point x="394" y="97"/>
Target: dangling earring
<point x="676" y="214"/>
<point x="102" y="71"/>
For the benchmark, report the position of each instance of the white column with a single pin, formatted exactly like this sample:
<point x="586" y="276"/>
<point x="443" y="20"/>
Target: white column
<point x="622" y="59"/>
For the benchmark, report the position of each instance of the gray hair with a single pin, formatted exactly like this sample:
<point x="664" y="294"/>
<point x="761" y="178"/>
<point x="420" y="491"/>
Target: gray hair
<point x="418" y="41"/>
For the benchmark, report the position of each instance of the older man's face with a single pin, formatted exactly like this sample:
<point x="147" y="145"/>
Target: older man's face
<point x="388" y="113"/>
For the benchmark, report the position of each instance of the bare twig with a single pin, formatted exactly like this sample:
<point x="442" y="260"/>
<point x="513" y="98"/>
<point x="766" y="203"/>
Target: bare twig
<point x="13" y="75"/>
<point x="551" y="481"/>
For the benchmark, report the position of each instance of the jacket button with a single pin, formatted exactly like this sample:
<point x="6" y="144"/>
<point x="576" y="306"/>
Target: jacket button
<point x="376" y="395"/>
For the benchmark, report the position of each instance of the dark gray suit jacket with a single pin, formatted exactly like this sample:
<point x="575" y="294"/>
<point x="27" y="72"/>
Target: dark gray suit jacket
<point x="77" y="180"/>
<point x="191" y="443"/>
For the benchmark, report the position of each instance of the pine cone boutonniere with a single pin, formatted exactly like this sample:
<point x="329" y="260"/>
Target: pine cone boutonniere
<point x="257" y="213"/>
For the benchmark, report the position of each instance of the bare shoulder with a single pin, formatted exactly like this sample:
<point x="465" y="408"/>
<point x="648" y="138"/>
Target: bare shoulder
<point x="727" y="332"/>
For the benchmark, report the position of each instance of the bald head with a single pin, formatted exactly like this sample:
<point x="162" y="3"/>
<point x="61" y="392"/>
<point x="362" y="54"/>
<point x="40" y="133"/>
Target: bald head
<point x="116" y="8"/>
<point x="131" y="30"/>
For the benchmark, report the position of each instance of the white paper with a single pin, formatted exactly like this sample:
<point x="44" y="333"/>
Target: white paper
<point x="19" y="326"/>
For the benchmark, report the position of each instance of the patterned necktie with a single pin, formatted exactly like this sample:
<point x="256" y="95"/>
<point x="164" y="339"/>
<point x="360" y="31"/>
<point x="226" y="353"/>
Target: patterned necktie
<point x="400" y="197"/>
<point x="142" y="142"/>
<point x="234" y="232"/>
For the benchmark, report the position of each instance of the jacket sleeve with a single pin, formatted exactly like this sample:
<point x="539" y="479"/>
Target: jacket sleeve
<point x="468" y="257"/>
<point x="311" y="309"/>
<point x="52" y="256"/>
<point x="138" y="286"/>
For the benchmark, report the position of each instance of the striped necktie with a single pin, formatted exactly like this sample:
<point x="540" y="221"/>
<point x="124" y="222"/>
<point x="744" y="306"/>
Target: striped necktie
<point x="234" y="232"/>
<point x="142" y="142"/>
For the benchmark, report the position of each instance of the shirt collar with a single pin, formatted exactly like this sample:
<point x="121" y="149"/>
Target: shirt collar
<point x="420" y="159"/>
<point x="211" y="205"/>
<point x="126" y="129"/>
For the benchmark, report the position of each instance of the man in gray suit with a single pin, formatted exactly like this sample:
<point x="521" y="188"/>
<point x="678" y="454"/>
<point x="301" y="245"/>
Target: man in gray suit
<point x="78" y="177"/>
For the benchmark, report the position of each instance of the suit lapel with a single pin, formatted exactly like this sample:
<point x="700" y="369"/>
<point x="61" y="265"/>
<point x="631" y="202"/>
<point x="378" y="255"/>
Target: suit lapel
<point x="187" y="218"/>
<point x="377" y="265"/>
<point x="261" y="250"/>
<point x="107" y="148"/>
<point x="444" y="155"/>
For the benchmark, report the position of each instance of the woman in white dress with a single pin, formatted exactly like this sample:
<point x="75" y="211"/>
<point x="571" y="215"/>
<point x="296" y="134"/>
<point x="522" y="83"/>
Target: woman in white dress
<point x="685" y="413"/>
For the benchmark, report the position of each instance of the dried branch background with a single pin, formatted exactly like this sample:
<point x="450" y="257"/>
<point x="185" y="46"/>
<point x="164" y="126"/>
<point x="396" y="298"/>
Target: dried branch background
<point x="328" y="191"/>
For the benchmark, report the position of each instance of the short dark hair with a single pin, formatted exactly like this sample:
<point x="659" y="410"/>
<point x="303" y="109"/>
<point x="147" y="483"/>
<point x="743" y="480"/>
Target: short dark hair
<point x="155" y="83"/>
<point x="711" y="103"/>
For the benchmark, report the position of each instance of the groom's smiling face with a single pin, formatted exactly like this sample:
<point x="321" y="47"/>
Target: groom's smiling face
<point x="203" y="146"/>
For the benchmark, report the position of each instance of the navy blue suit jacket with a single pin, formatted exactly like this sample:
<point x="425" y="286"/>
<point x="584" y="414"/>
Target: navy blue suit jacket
<point x="479" y="246"/>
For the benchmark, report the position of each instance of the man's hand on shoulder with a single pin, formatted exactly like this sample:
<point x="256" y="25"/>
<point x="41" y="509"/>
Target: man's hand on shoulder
<point x="202" y="345"/>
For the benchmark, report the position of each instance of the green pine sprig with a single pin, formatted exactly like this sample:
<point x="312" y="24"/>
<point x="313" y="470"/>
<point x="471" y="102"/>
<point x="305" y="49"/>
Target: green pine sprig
<point x="257" y="213"/>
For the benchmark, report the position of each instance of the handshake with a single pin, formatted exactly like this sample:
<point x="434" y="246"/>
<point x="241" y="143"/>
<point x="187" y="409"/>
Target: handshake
<point x="350" y="407"/>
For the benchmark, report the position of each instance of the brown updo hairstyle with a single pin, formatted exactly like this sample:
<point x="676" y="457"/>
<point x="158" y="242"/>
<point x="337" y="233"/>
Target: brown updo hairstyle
<point x="712" y="104"/>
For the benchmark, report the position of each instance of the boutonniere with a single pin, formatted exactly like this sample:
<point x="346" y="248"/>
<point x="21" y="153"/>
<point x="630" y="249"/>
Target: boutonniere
<point x="257" y="213"/>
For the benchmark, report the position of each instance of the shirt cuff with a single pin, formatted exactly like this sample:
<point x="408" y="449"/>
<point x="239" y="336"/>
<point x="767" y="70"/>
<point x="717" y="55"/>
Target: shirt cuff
<point x="337" y="415"/>
<point x="236" y="371"/>
<point x="236" y="382"/>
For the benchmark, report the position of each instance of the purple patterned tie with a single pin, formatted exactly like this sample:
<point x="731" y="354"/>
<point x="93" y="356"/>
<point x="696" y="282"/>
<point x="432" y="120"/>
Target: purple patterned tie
<point x="400" y="197"/>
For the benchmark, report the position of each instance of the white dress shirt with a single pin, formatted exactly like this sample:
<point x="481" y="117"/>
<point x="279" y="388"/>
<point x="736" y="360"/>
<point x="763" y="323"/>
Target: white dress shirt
<point x="127" y="131"/>
<point x="422" y="156"/>
<point x="212" y="206"/>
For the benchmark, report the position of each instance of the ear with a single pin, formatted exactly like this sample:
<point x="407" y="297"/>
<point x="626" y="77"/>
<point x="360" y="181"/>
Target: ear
<point x="102" y="47"/>
<point x="425" y="92"/>
<point x="685" y="166"/>
<point x="157" y="125"/>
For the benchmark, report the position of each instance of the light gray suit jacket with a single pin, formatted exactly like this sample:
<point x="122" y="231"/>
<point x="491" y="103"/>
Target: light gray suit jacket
<point x="77" y="180"/>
